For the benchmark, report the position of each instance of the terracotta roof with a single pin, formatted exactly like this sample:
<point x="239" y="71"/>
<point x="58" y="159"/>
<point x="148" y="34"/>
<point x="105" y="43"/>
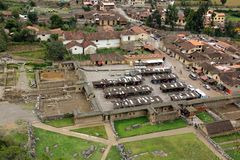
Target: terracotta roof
<point x="106" y="57"/>
<point x="210" y="68"/>
<point x="219" y="127"/>
<point x="103" y="35"/>
<point x="128" y="32"/>
<point x="230" y="78"/>
<point x="73" y="35"/>
<point x="137" y="30"/>
<point x="195" y="42"/>
<point x="85" y="44"/>
<point x="143" y="56"/>
<point x="149" y="47"/>
<point x="72" y="44"/>
<point x="53" y="31"/>
<point x="33" y="28"/>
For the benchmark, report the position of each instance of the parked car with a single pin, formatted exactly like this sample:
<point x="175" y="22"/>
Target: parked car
<point x="207" y="87"/>
<point x="193" y="76"/>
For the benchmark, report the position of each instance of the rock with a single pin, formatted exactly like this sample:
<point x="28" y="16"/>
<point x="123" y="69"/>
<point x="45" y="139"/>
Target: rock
<point x="55" y="146"/>
<point x="47" y="149"/>
<point x="75" y="155"/>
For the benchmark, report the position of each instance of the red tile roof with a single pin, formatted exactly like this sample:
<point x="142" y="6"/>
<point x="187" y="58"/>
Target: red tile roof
<point x="138" y="30"/>
<point x="85" y="44"/>
<point x="72" y="44"/>
<point x="73" y="35"/>
<point x="143" y="56"/>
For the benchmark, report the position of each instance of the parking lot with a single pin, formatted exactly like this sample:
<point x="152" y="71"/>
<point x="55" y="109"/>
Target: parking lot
<point x="113" y="72"/>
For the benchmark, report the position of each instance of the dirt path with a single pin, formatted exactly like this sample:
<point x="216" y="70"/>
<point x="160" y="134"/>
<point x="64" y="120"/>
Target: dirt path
<point x="70" y="133"/>
<point x="201" y="138"/>
<point x="104" y="156"/>
<point x="157" y="134"/>
<point x="22" y="83"/>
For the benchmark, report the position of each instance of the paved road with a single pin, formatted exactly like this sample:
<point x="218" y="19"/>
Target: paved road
<point x="11" y="112"/>
<point x="178" y="67"/>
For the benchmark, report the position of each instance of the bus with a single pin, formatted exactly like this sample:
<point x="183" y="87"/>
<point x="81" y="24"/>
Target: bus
<point x="201" y="93"/>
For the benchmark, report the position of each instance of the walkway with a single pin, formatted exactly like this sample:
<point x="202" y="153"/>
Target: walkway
<point x="112" y="141"/>
<point x="22" y="83"/>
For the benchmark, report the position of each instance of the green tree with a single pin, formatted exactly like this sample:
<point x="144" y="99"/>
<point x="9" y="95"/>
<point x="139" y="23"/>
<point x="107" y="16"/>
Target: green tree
<point x="157" y="18"/>
<point x="149" y="21"/>
<point x="55" y="51"/>
<point x="33" y="17"/>
<point x="24" y="35"/>
<point x="54" y="37"/>
<point x="229" y="29"/>
<point x="13" y="25"/>
<point x="56" y="21"/>
<point x="3" y="40"/>
<point x="171" y="16"/>
<point x="223" y="2"/>
<point x="15" y="13"/>
<point x="3" y="6"/>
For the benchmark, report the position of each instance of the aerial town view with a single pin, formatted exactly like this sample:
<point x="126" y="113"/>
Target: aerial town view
<point x="119" y="79"/>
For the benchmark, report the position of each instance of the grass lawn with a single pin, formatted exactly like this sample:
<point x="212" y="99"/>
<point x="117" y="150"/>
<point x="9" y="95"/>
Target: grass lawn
<point x="111" y="50"/>
<point x="234" y="154"/>
<point x="66" y="146"/>
<point x="179" y="147"/>
<point x="205" y="117"/>
<point x="60" y="122"/>
<point x="98" y="131"/>
<point x="229" y="3"/>
<point x="79" y="57"/>
<point x="146" y="127"/>
<point x="113" y="154"/>
<point x="233" y="18"/>
<point x="225" y="138"/>
<point x="38" y="54"/>
<point x="229" y="145"/>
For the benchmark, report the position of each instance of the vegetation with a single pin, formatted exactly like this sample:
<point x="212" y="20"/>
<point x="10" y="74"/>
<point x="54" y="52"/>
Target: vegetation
<point x="98" y="131"/>
<point x="56" y="51"/>
<point x="60" y="122"/>
<point x="63" y="147"/>
<point x="124" y="127"/>
<point x="195" y="19"/>
<point x="33" y="17"/>
<point x="154" y="20"/>
<point x="3" y="40"/>
<point x="12" y="144"/>
<point x="111" y="50"/>
<point x="235" y="154"/>
<point x="185" y="146"/>
<point x="24" y="35"/>
<point x="171" y="16"/>
<point x="89" y="29"/>
<point x="77" y="57"/>
<point x="205" y="117"/>
<point x="38" y="54"/>
<point x="228" y="137"/>
<point x="113" y="154"/>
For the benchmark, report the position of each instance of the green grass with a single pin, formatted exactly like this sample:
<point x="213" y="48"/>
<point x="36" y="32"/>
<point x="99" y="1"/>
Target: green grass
<point x="60" y="122"/>
<point x="98" y="131"/>
<point x="146" y="127"/>
<point x="67" y="146"/>
<point x="78" y="57"/>
<point x="38" y="54"/>
<point x="179" y="147"/>
<point x="230" y="145"/>
<point x="111" y="50"/>
<point x="233" y="18"/>
<point x="225" y="138"/>
<point x="113" y="154"/>
<point x="234" y="154"/>
<point x="205" y="117"/>
<point x="89" y="29"/>
<point x="17" y="137"/>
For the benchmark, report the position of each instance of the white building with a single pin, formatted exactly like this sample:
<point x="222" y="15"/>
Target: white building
<point x="72" y="36"/>
<point x="74" y="47"/>
<point x="45" y="35"/>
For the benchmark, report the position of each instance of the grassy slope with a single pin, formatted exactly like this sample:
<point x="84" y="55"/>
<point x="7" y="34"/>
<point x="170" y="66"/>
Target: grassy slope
<point x="113" y="154"/>
<point x="225" y="138"/>
<point x="98" y="131"/>
<point x="179" y="147"/>
<point x="121" y="125"/>
<point x="60" y="122"/>
<point x="205" y="117"/>
<point x="67" y="146"/>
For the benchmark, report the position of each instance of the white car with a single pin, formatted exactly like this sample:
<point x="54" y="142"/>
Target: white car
<point x="207" y="87"/>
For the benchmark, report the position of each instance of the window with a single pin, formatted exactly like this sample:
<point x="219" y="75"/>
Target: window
<point x="96" y="40"/>
<point x="129" y="38"/>
<point x="75" y="48"/>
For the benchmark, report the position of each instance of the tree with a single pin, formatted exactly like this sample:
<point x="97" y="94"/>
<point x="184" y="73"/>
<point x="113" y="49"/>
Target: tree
<point x="15" y="13"/>
<point x="54" y="37"/>
<point x="32" y="4"/>
<point x="33" y="17"/>
<point x="171" y="16"/>
<point x="157" y="18"/>
<point x="12" y="25"/>
<point x="55" y="51"/>
<point x="195" y="20"/>
<point x="56" y="21"/>
<point x="3" y="40"/>
<point x="24" y="35"/>
<point x="229" y="29"/>
<point x="3" y="6"/>
<point x="223" y="2"/>
<point x="149" y="21"/>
